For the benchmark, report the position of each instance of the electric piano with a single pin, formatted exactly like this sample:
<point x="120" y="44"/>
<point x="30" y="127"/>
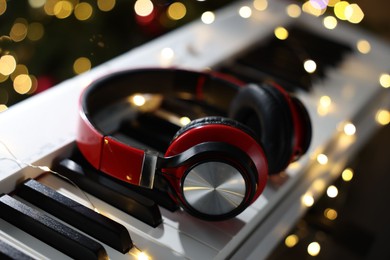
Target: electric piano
<point x="343" y="96"/>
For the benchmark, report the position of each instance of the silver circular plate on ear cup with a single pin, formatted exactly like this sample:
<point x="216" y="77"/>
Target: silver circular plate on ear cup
<point x="214" y="188"/>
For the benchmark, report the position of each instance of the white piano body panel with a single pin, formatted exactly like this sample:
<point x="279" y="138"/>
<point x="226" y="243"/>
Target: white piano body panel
<point x="44" y="126"/>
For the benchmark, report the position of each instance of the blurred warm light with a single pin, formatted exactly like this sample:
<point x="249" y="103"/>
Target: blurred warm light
<point x="383" y="117"/>
<point x="260" y="5"/>
<point x="384" y="80"/>
<point x="363" y="46"/>
<point x="331" y="3"/>
<point x="63" y="9"/>
<point x="354" y="13"/>
<point x="319" y="4"/>
<point x="307" y="200"/>
<point x="3" y="6"/>
<point x="245" y="12"/>
<point x="3" y="77"/>
<point x="35" y="31"/>
<point x="208" y="17"/>
<point x="106" y="5"/>
<point x="3" y="107"/>
<point x="142" y="256"/>
<point x="291" y="240"/>
<point x="19" y="30"/>
<point x="138" y="100"/>
<point x="347" y="174"/>
<point x="322" y="159"/>
<point x="349" y="129"/>
<point x="330" y="22"/>
<point x="339" y="9"/>
<point x="81" y="65"/>
<point x="36" y="3"/>
<point x="176" y="11"/>
<point x="83" y="11"/>
<point x="330" y="214"/>
<point x="293" y="10"/>
<point x="49" y="7"/>
<point x="307" y="7"/>
<point x="19" y="69"/>
<point x="143" y="7"/>
<point x="184" y="120"/>
<point x="313" y="248"/>
<point x="310" y="66"/>
<point x="7" y="64"/>
<point x="281" y="33"/>
<point x="332" y="191"/>
<point x="325" y="101"/>
<point x="22" y="84"/>
<point x="34" y="84"/>
<point x="318" y="185"/>
<point x="167" y="54"/>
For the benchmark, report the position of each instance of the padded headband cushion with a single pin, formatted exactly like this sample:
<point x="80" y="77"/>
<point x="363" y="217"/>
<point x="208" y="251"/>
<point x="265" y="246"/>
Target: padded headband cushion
<point x="214" y="91"/>
<point x="265" y="110"/>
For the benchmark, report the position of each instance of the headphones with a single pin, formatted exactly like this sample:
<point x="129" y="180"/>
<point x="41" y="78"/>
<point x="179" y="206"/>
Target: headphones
<point x="216" y="165"/>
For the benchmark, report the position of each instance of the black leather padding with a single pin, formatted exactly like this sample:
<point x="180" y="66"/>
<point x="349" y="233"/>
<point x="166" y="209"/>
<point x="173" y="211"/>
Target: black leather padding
<point x="265" y="110"/>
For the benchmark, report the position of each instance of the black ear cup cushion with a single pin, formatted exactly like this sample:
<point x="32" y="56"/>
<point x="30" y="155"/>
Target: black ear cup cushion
<point x="215" y="120"/>
<point x="266" y="111"/>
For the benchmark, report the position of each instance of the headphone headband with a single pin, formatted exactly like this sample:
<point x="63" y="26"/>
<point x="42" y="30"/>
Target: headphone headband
<point x="114" y="157"/>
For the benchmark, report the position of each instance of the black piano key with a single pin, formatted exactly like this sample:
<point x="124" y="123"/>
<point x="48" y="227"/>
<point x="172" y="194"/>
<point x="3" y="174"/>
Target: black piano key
<point x="49" y="230"/>
<point x="9" y="252"/>
<point x="111" y="192"/>
<point x="76" y="215"/>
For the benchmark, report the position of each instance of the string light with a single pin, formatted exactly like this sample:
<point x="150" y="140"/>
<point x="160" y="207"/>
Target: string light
<point x="363" y="46"/>
<point x="383" y="117"/>
<point x="143" y="7"/>
<point x="293" y="10"/>
<point x="332" y="191"/>
<point x="281" y="33"/>
<point x="184" y="120"/>
<point x="176" y="11"/>
<point x="291" y="240"/>
<point x="310" y="66"/>
<point x="313" y="248"/>
<point x="7" y="64"/>
<point x="208" y="17"/>
<point x="245" y="12"/>
<point x="330" y="214"/>
<point x="330" y="22"/>
<point x="354" y="14"/>
<point x="384" y="80"/>
<point x="339" y="9"/>
<point x="260" y="5"/>
<point x="307" y="200"/>
<point x="106" y="5"/>
<point x="322" y="159"/>
<point x="347" y="175"/>
<point x="3" y="6"/>
<point x="349" y="129"/>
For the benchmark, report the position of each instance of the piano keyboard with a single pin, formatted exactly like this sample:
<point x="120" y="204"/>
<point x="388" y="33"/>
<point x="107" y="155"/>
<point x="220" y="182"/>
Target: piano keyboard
<point x="344" y="89"/>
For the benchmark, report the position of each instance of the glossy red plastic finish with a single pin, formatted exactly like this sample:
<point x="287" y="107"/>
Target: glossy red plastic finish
<point x="218" y="133"/>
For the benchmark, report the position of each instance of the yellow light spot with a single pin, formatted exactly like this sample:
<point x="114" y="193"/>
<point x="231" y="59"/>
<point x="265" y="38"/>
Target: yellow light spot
<point x="332" y="191"/>
<point x="138" y="100"/>
<point x="7" y="64"/>
<point x="142" y="256"/>
<point x="330" y="22"/>
<point x="339" y="9"/>
<point x="81" y="65"/>
<point x="19" y="30"/>
<point x="184" y="120"/>
<point x="313" y="248"/>
<point x="3" y="107"/>
<point x="167" y="54"/>
<point x="20" y="69"/>
<point x="293" y="10"/>
<point x="384" y="80"/>
<point x="83" y="11"/>
<point x="22" y="84"/>
<point x="49" y="6"/>
<point x="63" y="9"/>
<point x="36" y="3"/>
<point x="143" y="7"/>
<point x="260" y="5"/>
<point x="281" y="33"/>
<point x="325" y="101"/>
<point x="245" y="12"/>
<point x="322" y="159"/>
<point x="354" y="13"/>
<point x="310" y="66"/>
<point x="331" y="3"/>
<point x="307" y="7"/>
<point x="35" y="31"/>
<point x="177" y="11"/>
<point x="349" y="129"/>
<point x="347" y="174"/>
<point x="291" y="240"/>
<point x="106" y="5"/>
<point x="383" y="117"/>
<point x="307" y="200"/>
<point x="363" y="46"/>
<point x="330" y="214"/>
<point x="208" y="17"/>
<point x="3" y="6"/>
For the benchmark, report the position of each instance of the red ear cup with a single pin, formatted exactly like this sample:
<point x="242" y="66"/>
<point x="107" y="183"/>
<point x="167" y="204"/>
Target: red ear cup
<point x="222" y="183"/>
